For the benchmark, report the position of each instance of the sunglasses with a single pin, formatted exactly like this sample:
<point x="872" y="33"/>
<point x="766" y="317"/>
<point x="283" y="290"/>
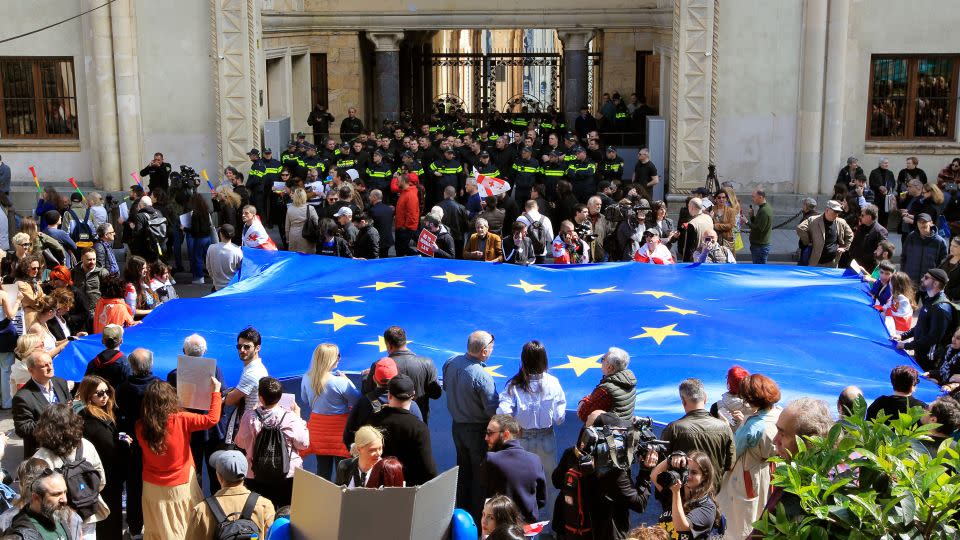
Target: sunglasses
<point x="102" y="393"/>
<point x="244" y="346"/>
<point x="25" y="244"/>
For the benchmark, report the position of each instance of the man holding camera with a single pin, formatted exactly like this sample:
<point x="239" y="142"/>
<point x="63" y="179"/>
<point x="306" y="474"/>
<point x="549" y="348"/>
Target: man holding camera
<point x="158" y="171"/>
<point x="698" y="430"/>
<point x="630" y="230"/>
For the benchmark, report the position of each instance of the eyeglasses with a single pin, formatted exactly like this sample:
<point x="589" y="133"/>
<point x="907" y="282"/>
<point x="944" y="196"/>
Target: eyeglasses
<point x="25" y="244"/>
<point x="34" y="268"/>
<point x="102" y="393"/>
<point x="244" y="346"/>
<point x="491" y="432"/>
<point x="490" y="344"/>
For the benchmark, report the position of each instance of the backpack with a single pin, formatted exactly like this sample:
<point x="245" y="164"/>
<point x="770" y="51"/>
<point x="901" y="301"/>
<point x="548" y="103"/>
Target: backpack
<point x="573" y="503"/>
<point x="537" y="235"/>
<point x="156" y="233"/>
<point x="82" y="233"/>
<point x="954" y="319"/>
<point x="271" y="456"/>
<point x="83" y="484"/>
<point x="240" y="528"/>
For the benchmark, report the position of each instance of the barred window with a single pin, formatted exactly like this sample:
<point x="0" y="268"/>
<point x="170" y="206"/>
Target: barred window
<point x="912" y="97"/>
<point x="38" y="98"/>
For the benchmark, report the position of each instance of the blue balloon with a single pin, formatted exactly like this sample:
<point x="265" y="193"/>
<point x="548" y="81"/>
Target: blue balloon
<point x="462" y="526"/>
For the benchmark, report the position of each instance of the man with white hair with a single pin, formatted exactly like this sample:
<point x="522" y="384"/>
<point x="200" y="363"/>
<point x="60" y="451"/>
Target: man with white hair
<point x="42" y="390"/>
<point x="690" y="236"/>
<point x="205" y="442"/>
<point x="617" y="391"/>
<point x="148" y="230"/>
<point x="472" y="400"/>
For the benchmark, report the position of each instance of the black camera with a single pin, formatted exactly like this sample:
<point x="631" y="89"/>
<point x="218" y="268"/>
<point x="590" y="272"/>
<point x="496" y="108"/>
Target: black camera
<point x="951" y="187"/>
<point x="584" y="231"/>
<point x="634" y="212"/>
<point x="608" y="447"/>
<point x="673" y="475"/>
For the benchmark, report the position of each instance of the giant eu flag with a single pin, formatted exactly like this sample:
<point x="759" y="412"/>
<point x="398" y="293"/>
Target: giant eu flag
<point x="812" y="330"/>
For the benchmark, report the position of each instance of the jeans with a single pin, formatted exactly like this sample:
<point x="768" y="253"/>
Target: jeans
<point x="543" y="443"/>
<point x="176" y="241"/>
<point x="760" y="252"/>
<point x="6" y="365"/>
<point x="198" y="255"/>
<point x="468" y="439"/>
<point x="327" y="466"/>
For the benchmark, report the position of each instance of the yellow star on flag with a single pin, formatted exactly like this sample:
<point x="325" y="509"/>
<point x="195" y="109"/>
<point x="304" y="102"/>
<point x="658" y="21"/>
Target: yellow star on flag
<point x="659" y="334"/>
<point x="339" y="321"/>
<point x="453" y="278"/>
<point x="579" y="364"/>
<point x="492" y="370"/>
<point x="379" y="343"/>
<point x="380" y="285"/>
<point x="671" y="309"/>
<point x="659" y="294"/>
<point x="529" y="287"/>
<point x="601" y="291"/>
<point x="337" y="298"/>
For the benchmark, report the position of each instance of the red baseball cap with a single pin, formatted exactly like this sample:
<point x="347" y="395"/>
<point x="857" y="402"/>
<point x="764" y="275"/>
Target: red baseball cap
<point x="384" y="370"/>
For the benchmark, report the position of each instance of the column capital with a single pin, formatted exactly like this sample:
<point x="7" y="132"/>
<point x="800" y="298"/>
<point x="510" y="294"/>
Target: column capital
<point x="388" y="40"/>
<point x="575" y="39"/>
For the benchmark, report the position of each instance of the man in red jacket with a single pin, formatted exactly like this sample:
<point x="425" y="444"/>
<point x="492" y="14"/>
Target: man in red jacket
<point x="408" y="214"/>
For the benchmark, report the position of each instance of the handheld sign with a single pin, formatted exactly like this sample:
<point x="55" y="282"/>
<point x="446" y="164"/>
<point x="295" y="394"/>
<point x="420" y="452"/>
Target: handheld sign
<point x="425" y="242"/>
<point x="193" y="381"/>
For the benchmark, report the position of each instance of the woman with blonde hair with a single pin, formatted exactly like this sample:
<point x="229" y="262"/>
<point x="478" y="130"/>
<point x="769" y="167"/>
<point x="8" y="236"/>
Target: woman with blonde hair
<point x="28" y="272"/>
<point x="297" y="215"/>
<point x="227" y="204"/>
<point x="330" y="396"/>
<point x="46" y="311"/>
<point x="367" y="450"/>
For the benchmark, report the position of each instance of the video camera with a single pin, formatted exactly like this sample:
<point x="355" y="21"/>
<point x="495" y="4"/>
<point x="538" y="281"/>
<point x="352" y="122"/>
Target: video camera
<point x="604" y="448"/>
<point x="634" y="212"/>
<point x="185" y="182"/>
<point x="584" y="231"/>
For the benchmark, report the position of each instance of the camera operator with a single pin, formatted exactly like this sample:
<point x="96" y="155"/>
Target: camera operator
<point x="631" y="228"/>
<point x="158" y="171"/>
<point x="684" y="487"/>
<point x="600" y="508"/>
<point x="568" y="248"/>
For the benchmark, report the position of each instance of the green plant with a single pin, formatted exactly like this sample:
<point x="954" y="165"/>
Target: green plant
<point x="868" y="480"/>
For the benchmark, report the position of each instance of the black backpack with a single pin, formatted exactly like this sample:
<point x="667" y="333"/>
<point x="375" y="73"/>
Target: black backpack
<point x="83" y="484"/>
<point x="156" y="232"/>
<point x="240" y="528"/>
<point x="537" y="234"/>
<point x="82" y="233"/>
<point x="575" y="509"/>
<point x="271" y="456"/>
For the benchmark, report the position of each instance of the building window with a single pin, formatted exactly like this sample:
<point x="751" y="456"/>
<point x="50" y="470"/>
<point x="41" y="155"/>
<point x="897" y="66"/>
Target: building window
<point x="318" y="80"/>
<point x="38" y="98"/>
<point x="912" y="97"/>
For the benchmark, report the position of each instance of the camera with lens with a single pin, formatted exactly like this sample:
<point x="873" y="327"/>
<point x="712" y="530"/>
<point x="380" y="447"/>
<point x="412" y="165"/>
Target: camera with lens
<point x="584" y="231"/>
<point x="673" y="475"/>
<point x="608" y="447"/>
<point x="633" y="212"/>
<point x="951" y="187"/>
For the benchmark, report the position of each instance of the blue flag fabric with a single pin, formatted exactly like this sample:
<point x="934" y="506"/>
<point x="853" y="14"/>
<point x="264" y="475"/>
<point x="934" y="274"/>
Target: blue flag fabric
<point x="812" y="330"/>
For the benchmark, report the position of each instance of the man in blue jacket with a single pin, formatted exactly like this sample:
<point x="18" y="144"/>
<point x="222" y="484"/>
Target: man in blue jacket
<point x="512" y="471"/>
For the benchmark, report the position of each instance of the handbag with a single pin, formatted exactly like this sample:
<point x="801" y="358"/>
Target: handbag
<point x="311" y="229"/>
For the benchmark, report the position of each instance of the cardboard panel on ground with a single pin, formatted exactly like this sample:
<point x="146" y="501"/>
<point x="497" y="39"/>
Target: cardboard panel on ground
<point x="324" y="511"/>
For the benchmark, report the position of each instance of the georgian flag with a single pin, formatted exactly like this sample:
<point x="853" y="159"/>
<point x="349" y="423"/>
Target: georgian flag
<point x="490" y="186"/>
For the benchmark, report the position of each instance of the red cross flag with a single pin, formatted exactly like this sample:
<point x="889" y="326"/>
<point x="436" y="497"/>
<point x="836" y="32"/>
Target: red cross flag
<point x="490" y="186"/>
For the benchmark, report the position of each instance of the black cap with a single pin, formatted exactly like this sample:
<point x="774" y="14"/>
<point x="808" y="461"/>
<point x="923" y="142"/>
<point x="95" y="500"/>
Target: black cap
<point x="611" y="149"/>
<point x="701" y="191"/>
<point x="484" y="153"/>
<point x="449" y="150"/>
<point x="253" y="152"/>
<point x="300" y="135"/>
<point x="268" y="150"/>
<point x="527" y="150"/>
<point x="308" y="146"/>
<point x="924" y="217"/>
<point x="578" y="149"/>
<point x="401" y="387"/>
<point x="292" y="143"/>
<point x="344" y="144"/>
<point x="408" y="154"/>
<point x="556" y="153"/>
<point x="571" y="137"/>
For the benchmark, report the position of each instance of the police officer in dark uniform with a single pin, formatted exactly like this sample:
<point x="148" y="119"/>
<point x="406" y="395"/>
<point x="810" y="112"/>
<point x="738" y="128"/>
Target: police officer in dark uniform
<point x="330" y="151"/>
<point x="525" y="172"/>
<point x="159" y="172"/>
<point x="290" y="153"/>
<point x="271" y="175"/>
<point x="346" y="159"/>
<point x="313" y="161"/>
<point x="411" y="163"/>
<point x="487" y="167"/>
<point x="446" y="172"/>
<point x="612" y="166"/>
<point x="569" y="149"/>
<point x="552" y="172"/>
<point x="255" y="180"/>
<point x="582" y="173"/>
<point x="379" y="172"/>
<point x="319" y="119"/>
<point x="351" y="126"/>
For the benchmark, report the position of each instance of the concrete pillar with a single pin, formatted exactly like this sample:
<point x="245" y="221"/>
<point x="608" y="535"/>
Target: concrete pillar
<point x="386" y="88"/>
<point x="833" y="93"/>
<point x="575" y="76"/>
<point x="813" y="64"/>
<point x="127" y="80"/>
<point x="102" y="102"/>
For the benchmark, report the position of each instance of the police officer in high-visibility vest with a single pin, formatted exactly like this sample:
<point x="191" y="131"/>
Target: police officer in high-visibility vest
<point x="552" y="171"/>
<point x="255" y="180"/>
<point x="487" y="167"/>
<point x="409" y="160"/>
<point x="570" y="145"/>
<point x="313" y="161"/>
<point x="582" y="173"/>
<point x="612" y="166"/>
<point x="271" y="175"/>
<point x="346" y="159"/>
<point x="446" y="172"/>
<point x="525" y="171"/>
<point x="289" y="153"/>
<point x="379" y="172"/>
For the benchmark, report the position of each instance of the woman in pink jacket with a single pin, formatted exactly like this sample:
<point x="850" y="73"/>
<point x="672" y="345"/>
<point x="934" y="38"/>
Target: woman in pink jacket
<point x="272" y="438"/>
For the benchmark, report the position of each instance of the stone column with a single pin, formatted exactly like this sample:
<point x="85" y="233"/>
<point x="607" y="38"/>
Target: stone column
<point x="102" y="97"/>
<point x="575" y="76"/>
<point x="127" y="81"/>
<point x="834" y="84"/>
<point x="235" y="39"/>
<point x="386" y="88"/>
<point x="811" y="96"/>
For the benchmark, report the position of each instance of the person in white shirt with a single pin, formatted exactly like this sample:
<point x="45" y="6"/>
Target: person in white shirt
<point x="245" y="395"/>
<point x="98" y="214"/>
<point x="653" y="251"/>
<point x="531" y="214"/>
<point x="223" y="258"/>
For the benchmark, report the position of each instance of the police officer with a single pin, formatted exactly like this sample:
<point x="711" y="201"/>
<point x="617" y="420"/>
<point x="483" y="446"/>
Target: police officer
<point x="411" y="163"/>
<point x="487" y="167"/>
<point x="378" y="172"/>
<point x="612" y="166"/>
<point x="552" y="172"/>
<point x="446" y="172"/>
<point x="271" y="175"/>
<point x="351" y="126"/>
<point x="313" y="161"/>
<point x="569" y="149"/>
<point x="330" y="150"/>
<point x="346" y="159"/>
<point x="290" y="153"/>
<point x="525" y="171"/>
<point x="255" y="180"/>
<point x="582" y="173"/>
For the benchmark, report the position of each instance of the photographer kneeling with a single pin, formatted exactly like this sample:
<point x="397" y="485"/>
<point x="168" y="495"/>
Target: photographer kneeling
<point x="684" y="486"/>
<point x="596" y="497"/>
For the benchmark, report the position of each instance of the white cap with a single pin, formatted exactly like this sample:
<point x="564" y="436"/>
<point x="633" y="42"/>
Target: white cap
<point x="353" y="174"/>
<point x="344" y="211"/>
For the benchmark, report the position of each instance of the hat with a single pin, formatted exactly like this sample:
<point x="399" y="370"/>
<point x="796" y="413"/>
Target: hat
<point x="268" y="150"/>
<point x="113" y="332"/>
<point x="380" y="153"/>
<point x="401" y="387"/>
<point x="835" y="206"/>
<point x="407" y="153"/>
<point x="924" y="217"/>
<point x="701" y="191"/>
<point x="526" y="149"/>
<point x="353" y="174"/>
<point x="571" y="137"/>
<point x="611" y="149"/>
<point x="231" y="464"/>
<point x="556" y="153"/>
<point x="706" y="204"/>
<point x="308" y="146"/>
<point x="344" y="211"/>
<point x="449" y="150"/>
<point x="227" y="230"/>
<point x="300" y="135"/>
<point x="384" y="370"/>
<point x="253" y="152"/>
<point x="484" y="154"/>
<point x="939" y="274"/>
<point x="61" y="273"/>
<point x="643" y="204"/>
<point x="344" y="144"/>
<point x="578" y="149"/>
<point x="292" y="142"/>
